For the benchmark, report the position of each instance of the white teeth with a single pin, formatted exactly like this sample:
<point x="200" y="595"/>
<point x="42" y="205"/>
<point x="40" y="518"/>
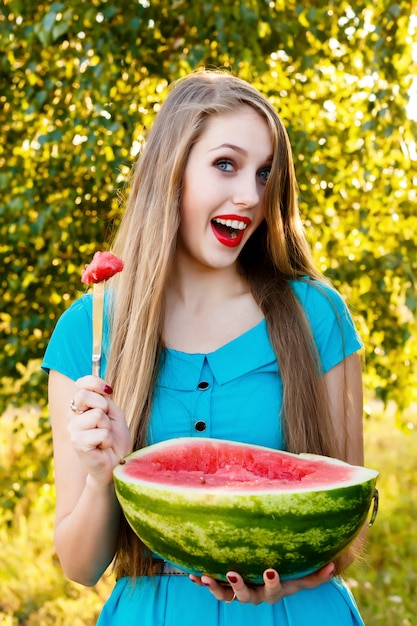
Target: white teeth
<point x="235" y="224"/>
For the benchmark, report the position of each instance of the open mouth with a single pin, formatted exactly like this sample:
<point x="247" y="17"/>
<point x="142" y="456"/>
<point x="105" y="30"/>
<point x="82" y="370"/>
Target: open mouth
<point x="229" y="231"/>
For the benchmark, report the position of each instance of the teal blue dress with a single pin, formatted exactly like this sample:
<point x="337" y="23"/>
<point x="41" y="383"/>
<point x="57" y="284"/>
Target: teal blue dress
<point x="233" y="393"/>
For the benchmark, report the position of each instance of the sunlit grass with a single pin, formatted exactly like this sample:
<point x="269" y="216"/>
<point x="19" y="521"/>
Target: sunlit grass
<point x="33" y="589"/>
<point x="384" y="581"/>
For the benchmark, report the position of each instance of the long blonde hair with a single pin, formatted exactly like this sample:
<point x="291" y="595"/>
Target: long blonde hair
<point x="275" y="254"/>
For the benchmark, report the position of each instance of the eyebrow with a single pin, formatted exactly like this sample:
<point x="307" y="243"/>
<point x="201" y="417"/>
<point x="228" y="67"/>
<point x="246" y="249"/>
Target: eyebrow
<point x="232" y="146"/>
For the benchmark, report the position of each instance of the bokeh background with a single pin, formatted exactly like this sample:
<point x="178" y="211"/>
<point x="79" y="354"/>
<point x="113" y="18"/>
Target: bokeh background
<point x="80" y="82"/>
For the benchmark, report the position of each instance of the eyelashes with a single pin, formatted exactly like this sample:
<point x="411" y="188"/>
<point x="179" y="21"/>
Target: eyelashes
<point x="227" y="165"/>
<point x="264" y="173"/>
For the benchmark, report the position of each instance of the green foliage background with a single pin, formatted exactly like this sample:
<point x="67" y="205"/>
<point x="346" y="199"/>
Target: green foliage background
<point x="80" y="82"/>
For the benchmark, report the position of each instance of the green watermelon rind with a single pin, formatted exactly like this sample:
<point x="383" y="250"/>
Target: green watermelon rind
<point x="213" y="532"/>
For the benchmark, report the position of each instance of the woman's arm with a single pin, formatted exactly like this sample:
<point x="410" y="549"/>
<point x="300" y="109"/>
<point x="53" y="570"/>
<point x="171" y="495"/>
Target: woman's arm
<point x="87" y="447"/>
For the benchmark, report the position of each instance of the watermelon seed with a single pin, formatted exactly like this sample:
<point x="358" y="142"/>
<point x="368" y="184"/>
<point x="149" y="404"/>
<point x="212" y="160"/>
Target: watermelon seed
<point x="122" y="461"/>
<point x="202" y="480"/>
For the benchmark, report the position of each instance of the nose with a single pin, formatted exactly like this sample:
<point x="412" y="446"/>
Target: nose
<point x="247" y="190"/>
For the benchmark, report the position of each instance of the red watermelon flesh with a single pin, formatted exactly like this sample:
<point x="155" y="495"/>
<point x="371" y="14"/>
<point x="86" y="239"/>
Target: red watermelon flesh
<point x="103" y="266"/>
<point x="227" y="466"/>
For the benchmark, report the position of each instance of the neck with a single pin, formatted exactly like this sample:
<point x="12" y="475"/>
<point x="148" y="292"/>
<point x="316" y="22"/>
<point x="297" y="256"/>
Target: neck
<point x="203" y="288"/>
<point x="206" y="307"/>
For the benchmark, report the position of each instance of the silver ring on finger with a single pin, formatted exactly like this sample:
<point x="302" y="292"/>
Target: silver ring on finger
<point x="230" y="601"/>
<point x="74" y="408"/>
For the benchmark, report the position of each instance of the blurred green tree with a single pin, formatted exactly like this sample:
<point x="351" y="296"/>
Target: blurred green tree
<point x="80" y="82"/>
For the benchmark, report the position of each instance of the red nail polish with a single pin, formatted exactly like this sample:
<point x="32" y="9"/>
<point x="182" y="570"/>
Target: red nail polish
<point x="232" y="579"/>
<point x="270" y="574"/>
<point x="107" y="389"/>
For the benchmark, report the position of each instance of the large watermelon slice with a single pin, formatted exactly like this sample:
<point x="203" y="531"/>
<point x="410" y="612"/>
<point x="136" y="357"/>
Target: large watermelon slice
<point x="211" y="506"/>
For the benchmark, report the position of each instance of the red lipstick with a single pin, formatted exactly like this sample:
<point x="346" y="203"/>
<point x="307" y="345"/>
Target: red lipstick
<point x="229" y="229"/>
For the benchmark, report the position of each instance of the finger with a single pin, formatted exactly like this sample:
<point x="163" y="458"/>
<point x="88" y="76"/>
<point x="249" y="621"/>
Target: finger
<point x="109" y="417"/>
<point x="93" y="383"/>
<point x="224" y="593"/>
<point x="272" y="588"/>
<point x="90" y="429"/>
<point x="93" y="439"/>
<point x="243" y="592"/>
<point x="85" y="399"/>
<point x="90" y="419"/>
<point x="114" y="412"/>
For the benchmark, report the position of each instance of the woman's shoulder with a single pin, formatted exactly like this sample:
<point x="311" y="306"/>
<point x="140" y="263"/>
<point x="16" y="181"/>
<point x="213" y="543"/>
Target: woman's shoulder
<point x="80" y="307"/>
<point x="76" y="318"/>
<point x="318" y="295"/>
<point x="330" y="320"/>
<point x="68" y="349"/>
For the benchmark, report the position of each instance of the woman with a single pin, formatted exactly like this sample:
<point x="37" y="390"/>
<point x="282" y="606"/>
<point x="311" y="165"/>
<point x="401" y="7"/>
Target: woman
<point x="219" y="325"/>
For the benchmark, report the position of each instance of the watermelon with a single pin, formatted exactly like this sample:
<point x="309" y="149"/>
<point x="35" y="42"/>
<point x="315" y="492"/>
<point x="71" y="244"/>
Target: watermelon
<point x="103" y="266"/>
<point x="210" y="506"/>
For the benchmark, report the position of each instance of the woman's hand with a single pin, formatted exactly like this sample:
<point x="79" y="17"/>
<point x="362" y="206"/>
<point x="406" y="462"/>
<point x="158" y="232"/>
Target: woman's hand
<point x="98" y="430"/>
<point x="90" y="436"/>
<point x="271" y="592"/>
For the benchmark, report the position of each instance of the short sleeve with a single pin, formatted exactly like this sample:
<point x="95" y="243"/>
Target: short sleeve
<point x="331" y="323"/>
<point x="69" y="349"/>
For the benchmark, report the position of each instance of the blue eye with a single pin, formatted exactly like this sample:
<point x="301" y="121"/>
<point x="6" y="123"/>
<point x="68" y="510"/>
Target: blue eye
<point x="264" y="173"/>
<point x="224" y="165"/>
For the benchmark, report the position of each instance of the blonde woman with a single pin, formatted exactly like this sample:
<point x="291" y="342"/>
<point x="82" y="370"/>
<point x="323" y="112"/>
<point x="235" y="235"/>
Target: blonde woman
<point x="219" y="326"/>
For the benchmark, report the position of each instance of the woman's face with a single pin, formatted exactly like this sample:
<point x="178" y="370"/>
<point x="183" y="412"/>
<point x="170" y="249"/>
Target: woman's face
<point x="224" y="185"/>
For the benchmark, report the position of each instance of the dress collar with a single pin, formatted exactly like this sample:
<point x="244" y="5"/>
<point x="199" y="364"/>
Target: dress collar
<point x="250" y="351"/>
